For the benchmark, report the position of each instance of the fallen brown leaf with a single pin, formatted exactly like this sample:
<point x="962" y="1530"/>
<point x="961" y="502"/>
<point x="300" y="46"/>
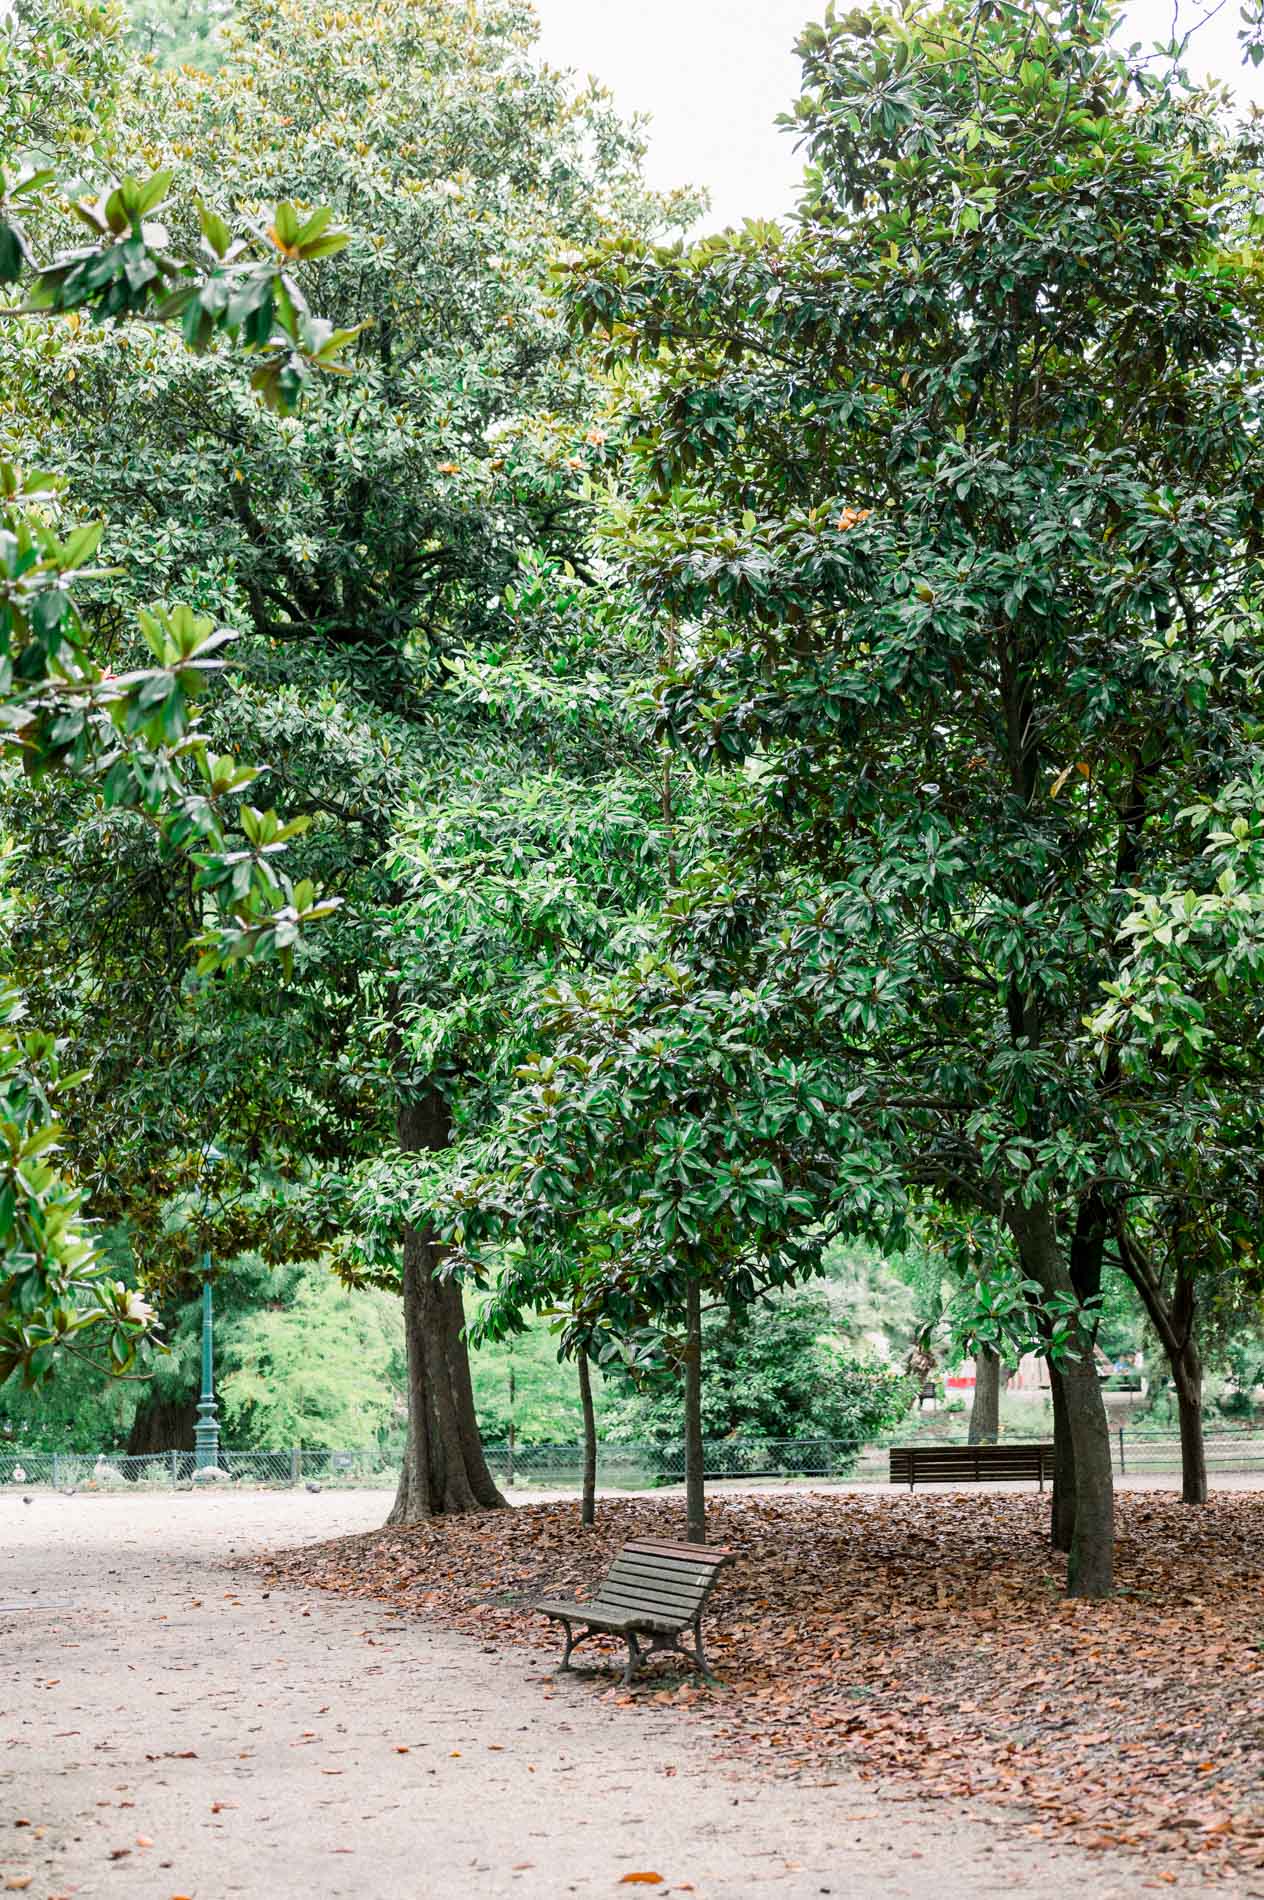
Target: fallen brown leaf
<point x="933" y="1647"/>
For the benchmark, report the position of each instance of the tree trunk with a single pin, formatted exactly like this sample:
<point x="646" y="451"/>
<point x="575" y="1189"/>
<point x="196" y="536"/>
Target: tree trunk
<point x="1062" y="1503"/>
<point x="1173" y="1320"/>
<point x="1091" y="1560"/>
<point x="1187" y="1373"/>
<point x="162" y="1425"/>
<point x="444" y="1469"/>
<point x="985" y="1413"/>
<point x="588" y="1508"/>
<point x="695" y="1495"/>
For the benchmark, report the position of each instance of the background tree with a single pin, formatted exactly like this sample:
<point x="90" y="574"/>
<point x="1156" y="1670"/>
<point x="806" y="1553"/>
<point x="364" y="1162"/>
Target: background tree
<point x="368" y="561"/>
<point x="179" y="32"/>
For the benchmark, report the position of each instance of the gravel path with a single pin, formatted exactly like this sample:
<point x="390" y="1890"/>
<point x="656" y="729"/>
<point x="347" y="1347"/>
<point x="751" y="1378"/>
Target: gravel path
<point x="172" y="1729"/>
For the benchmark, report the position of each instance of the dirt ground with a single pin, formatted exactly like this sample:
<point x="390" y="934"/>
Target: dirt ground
<point x="170" y="1727"/>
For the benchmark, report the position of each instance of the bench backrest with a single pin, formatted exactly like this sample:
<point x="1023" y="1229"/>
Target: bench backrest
<point x="658" y="1578"/>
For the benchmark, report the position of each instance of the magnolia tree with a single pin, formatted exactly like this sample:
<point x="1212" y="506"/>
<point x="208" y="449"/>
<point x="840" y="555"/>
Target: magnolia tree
<point x="131" y="733"/>
<point x="442" y="678"/>
<point x="958" y="487"/>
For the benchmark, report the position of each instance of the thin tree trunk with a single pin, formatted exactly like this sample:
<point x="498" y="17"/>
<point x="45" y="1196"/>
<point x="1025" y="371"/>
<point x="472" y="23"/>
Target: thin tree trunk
<point x="1187" y="1373"/>
<point x="588" y="1508"/>
<point x="985" y="1413"/>
<point x="695" y="1496"/>
<point x="1062" y="1503"/>
<point x="444" y="1469"/>
<point x="1091" y="1560"/>
<point x="1174" y="1320"/>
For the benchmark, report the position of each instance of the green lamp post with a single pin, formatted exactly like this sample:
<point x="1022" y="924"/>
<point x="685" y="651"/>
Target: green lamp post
<point x="206" y="1431"/>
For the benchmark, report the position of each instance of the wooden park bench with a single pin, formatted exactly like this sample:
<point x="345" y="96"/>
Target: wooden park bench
<point x="653" y="1589"/>
<point x="970" y="1464"/>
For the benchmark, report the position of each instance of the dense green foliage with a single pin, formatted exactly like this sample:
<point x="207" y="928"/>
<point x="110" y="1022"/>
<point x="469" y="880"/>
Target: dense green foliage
<point x="958" y="486"/>
<point x="299" y="1361"/>
<point x="365" y="559"/>
<point x="777" y="1371"/>
<point x="129" y="733"/>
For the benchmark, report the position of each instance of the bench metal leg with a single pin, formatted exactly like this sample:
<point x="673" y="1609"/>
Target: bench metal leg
<point x="696" y="1656"/>
<point x="572" y="1642"/>
<point x="634" y="1657"/>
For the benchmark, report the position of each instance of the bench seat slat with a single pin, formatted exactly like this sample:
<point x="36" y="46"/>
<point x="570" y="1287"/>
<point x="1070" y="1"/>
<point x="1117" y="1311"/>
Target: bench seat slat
<point x="666" y="1560"/>
<point x="622" y="1579"/>
<point x="675" y="1581"/>
<point x="656" y="1614"/>
<point x="654" y="1605"/>
<point x="645" y="1593"/>
<point x="658" y="1579"/>
<point x="695" y="1553"/>
<point x="611" y="1616"/>
<point x="692" y="1553"/>
<point x="618" y="1622"/>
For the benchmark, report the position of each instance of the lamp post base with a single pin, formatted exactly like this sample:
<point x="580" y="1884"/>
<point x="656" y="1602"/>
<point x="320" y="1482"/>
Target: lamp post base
<point x="206" y="1438"/>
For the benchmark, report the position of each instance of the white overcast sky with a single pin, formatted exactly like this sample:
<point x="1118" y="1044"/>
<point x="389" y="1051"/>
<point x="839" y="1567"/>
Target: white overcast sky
<point x="714" y="74"/>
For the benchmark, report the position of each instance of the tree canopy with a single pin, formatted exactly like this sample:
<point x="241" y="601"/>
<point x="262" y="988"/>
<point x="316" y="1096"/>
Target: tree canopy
<point x="767" y="726"/>
<point x="955" y="489"/>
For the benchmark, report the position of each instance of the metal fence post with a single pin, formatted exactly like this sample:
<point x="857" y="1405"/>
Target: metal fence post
<point x="56" y="1479"/>
<point x="175" y="1471"/>
<point x="1123" y="1469"/>
<point x="296" y="1467"/>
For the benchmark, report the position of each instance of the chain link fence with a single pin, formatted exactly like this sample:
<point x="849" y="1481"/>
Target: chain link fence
<point x="1137" y="1452"/>
<point x="639" y="1467"/>
<point x="1141" y="1453"/>
<point x="173" y="1470"/>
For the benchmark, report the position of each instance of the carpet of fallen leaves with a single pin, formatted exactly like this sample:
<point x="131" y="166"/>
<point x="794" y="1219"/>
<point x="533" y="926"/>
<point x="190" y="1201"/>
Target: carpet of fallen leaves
<point x="923" y="1638"/>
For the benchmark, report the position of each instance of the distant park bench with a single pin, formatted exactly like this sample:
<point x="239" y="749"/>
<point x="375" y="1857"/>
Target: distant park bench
<point x="970" y="1464"/>
<point x="653" y="1589"/>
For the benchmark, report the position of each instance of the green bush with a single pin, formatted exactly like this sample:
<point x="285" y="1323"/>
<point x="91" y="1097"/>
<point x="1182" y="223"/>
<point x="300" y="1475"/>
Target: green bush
<point x="781" y="1370"/>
